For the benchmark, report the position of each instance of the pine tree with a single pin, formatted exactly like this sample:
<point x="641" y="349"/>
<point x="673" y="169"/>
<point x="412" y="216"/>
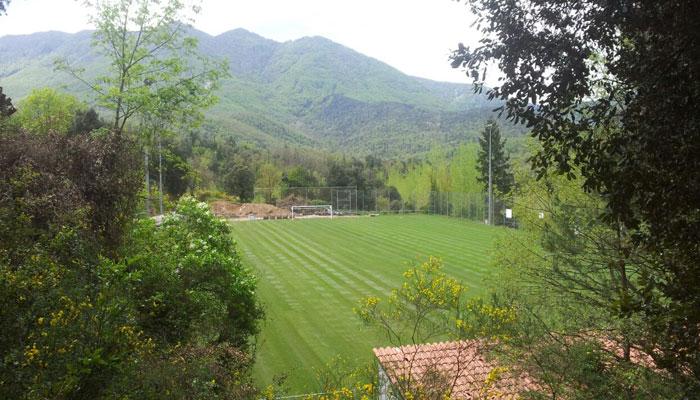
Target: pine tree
<point x="502" y="176"/>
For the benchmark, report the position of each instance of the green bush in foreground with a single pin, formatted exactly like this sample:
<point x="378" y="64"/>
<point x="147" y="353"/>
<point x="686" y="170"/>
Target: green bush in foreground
<point x="94" y="306"/>
<point x="188" y="282"/>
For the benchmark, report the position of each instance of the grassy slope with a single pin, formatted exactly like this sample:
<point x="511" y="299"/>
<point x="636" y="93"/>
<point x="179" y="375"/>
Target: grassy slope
<point x="312" y="273"/>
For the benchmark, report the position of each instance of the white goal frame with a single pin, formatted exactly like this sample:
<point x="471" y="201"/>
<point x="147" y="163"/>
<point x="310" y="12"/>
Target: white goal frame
<point x="324" y="207"/>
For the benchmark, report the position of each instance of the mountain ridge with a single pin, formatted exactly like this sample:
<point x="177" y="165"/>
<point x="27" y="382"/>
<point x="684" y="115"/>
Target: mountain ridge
<point x="309" y="91"/>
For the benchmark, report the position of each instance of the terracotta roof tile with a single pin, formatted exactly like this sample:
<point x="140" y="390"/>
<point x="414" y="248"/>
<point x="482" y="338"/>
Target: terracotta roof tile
<point x="461" y="364"/>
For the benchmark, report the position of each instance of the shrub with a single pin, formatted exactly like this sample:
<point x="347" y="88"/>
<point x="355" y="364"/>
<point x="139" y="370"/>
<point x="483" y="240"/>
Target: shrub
<point x="93" y="306"/>
<point x="191" y="286"/>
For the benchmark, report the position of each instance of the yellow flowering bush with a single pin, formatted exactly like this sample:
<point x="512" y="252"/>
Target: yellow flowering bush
<point x="421" y="307"/>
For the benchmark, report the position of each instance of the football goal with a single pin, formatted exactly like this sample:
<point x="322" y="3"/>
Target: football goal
<point x="298" y="211"/>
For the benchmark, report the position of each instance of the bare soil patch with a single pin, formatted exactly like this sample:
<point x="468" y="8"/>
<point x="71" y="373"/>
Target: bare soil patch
<point x="226" y="209"/>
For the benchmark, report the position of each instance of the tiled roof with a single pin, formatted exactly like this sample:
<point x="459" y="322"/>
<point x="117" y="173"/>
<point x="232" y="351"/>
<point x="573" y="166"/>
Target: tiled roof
<point x="614" y="347"/>
<point x="462" y="366"/>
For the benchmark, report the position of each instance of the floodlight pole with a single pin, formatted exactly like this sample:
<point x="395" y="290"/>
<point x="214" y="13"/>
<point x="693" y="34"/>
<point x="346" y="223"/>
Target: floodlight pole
<point x="490" y="212"/>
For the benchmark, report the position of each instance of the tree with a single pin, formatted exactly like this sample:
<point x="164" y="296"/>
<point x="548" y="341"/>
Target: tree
<point x="607" y="88"/>
<point x="3" y="6"/>
<point x="177" y="173"/>
<point x="59" y="175"/>
<point x="47" y="110"/>
<point x="566" y="261"/>
<point x="338" y="174"/>
<point x="463" y="168"/>
<point x="6" y="108"/>
<point x="502" y="177"/>
<point x="186" y="298"/>
<point x="155" y="71"/>
<point x="66" y="204"/>
<point x="239" y="180"/>
<point x="86" y="121"/>
<point x="231" y="165"/>
<point x="150" y="59"/>
<point x="172" y="108"/>
<point x="347" y="173"/>
<point x="300" y="176"/>
<point x="269" y="177"/>
<point x="491" y="145"/>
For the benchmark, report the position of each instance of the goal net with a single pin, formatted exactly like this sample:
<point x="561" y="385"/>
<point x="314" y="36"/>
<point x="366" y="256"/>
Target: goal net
<point x="325" y="210"/>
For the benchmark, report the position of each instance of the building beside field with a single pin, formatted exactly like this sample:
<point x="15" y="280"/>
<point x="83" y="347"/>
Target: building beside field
<point x="458" y="369"/>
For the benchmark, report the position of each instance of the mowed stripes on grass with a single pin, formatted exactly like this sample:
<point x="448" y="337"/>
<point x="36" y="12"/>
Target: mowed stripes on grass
<point x="312" y="272"/>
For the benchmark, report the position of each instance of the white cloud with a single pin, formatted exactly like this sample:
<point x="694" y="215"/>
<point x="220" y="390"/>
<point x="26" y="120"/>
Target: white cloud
<point x="414" y="36"/>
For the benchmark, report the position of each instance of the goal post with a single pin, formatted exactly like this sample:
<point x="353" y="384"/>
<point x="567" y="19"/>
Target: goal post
<point x="319" y="207"/>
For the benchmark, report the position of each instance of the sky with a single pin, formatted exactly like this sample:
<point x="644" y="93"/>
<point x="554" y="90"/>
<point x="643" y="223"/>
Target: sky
<point x="414" y="36"/>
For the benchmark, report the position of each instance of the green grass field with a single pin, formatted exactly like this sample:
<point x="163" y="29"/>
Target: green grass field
<point x="312" y="272"/>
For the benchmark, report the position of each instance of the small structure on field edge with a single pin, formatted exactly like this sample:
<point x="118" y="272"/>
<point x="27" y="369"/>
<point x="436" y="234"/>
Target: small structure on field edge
<point x="457" y="369"/>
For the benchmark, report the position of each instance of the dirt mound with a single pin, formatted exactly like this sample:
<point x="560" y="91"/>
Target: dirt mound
<point x="225" y="209"/>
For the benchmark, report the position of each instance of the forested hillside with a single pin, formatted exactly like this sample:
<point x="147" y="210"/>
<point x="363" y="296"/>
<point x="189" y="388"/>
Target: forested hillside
<point x="310" y="92"/>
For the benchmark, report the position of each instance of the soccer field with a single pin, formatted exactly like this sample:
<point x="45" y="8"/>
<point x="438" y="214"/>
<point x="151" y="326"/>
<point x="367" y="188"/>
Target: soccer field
<point x="312" y="272"/>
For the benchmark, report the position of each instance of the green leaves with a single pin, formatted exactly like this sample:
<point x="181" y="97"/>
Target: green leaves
<point x="606" y="87"/>
<point x="194" y="287"/>
<point x="46" y="110"/>
<point x="425" y="306"/>
<point x="155" y="71"/>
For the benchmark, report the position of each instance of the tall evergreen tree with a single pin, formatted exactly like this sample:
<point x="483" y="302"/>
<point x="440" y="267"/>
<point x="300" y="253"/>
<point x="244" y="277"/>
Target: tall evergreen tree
<point x="502" y="176"/>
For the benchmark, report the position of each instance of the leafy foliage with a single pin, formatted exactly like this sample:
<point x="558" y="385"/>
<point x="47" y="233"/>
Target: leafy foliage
<point x="153" y="69"/>
<point x="568" y="262"/>
<point x="95" y="307"/>
<point x="342" y="379"/>
<point x="429" y="306"/>
<point x="239" y="181"/>
<point x="177" y="173"/>
<point x="65" y="205"/>
<point x="60" y="178"/>
<point x="190" y="284"/>
<point x="46" y="110"/>
<point x="422" y="309"/>
<point x="86" y="121"/>
<point x="585" y="76"/>
<point x="299" y="176"/>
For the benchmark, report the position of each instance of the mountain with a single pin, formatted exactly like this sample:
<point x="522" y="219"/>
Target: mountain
<point x="307" y="92"/>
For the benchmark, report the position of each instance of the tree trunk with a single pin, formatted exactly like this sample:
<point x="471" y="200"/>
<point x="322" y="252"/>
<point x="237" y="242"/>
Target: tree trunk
<point x="160" y="174"/>
<point x="148" y="181"/>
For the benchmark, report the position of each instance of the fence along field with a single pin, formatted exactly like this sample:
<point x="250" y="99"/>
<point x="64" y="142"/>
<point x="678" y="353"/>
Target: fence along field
<point x="312" y="272"/>
<point x="348" y="199"/>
